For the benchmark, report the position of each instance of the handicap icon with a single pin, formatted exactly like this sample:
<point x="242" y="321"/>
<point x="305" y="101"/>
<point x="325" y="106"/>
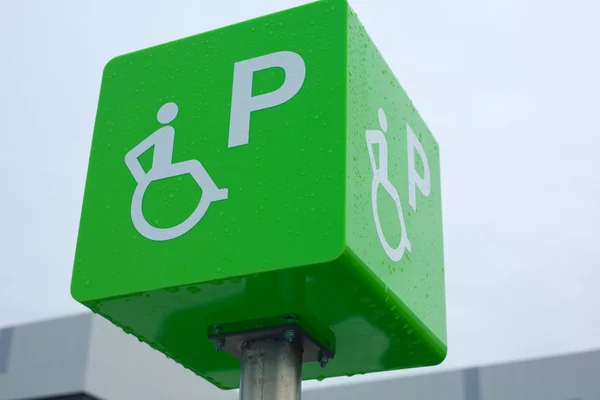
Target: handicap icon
<point x="162" y="168"/>
<point x="381" y="178"/>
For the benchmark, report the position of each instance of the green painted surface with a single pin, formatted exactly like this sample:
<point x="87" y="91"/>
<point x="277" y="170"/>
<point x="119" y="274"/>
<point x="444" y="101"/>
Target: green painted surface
<point x="291" y="227"/>
<point x="418" y="277"/>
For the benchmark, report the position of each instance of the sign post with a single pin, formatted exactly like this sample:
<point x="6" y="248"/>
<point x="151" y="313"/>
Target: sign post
<point x="263" y="206"/>
<point x="271" y="370"/>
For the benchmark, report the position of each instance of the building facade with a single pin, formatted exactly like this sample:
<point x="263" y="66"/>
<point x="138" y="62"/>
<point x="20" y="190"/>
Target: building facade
<point x="85" y="357"/>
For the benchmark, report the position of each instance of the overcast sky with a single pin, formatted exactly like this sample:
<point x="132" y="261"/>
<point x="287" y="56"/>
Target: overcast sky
<point x="510" y="88"/>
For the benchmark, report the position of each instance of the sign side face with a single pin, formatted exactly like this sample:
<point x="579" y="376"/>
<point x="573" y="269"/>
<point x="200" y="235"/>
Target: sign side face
<point x="394" y="216"/>
<point x="217" y="156"/>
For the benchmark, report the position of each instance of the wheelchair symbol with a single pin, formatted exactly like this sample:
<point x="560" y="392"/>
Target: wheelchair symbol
<point x="380" y="178"/>
<point x="162" y="168"/>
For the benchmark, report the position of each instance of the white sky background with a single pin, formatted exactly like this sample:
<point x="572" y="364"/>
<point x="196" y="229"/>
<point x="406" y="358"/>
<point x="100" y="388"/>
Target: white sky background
<point x="510" y="88"/>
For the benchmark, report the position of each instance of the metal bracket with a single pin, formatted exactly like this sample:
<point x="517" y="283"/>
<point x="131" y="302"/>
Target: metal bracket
<point x="232" y="342"/>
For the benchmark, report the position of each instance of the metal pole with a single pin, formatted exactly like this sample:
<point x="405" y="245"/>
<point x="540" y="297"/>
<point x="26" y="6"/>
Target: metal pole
<point x="271" y="370"/>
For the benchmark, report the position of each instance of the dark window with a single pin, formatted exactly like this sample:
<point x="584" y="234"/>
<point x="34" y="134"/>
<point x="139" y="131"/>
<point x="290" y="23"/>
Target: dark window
<point x="5" y="343"/>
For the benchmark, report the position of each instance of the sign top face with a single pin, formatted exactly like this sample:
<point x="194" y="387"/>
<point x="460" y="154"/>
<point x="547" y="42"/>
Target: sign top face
<point x="201" y="163"/>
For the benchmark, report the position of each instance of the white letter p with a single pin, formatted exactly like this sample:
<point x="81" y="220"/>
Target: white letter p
<point x="242" y="101"/>
<point x="414" y="179"/>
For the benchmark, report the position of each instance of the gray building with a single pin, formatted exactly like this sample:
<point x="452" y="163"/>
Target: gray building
<point x="569" y="377"/>
<point x="85" y="357"/>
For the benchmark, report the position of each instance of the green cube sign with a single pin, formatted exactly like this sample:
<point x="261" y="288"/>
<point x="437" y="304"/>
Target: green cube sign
<point x="271" y="168"/>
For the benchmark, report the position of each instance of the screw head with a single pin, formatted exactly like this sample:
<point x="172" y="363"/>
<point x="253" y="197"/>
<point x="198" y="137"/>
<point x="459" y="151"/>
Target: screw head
<point x="220" y="344"/>
<point x="289" y="335"/>
<point x="323" y="360"/>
